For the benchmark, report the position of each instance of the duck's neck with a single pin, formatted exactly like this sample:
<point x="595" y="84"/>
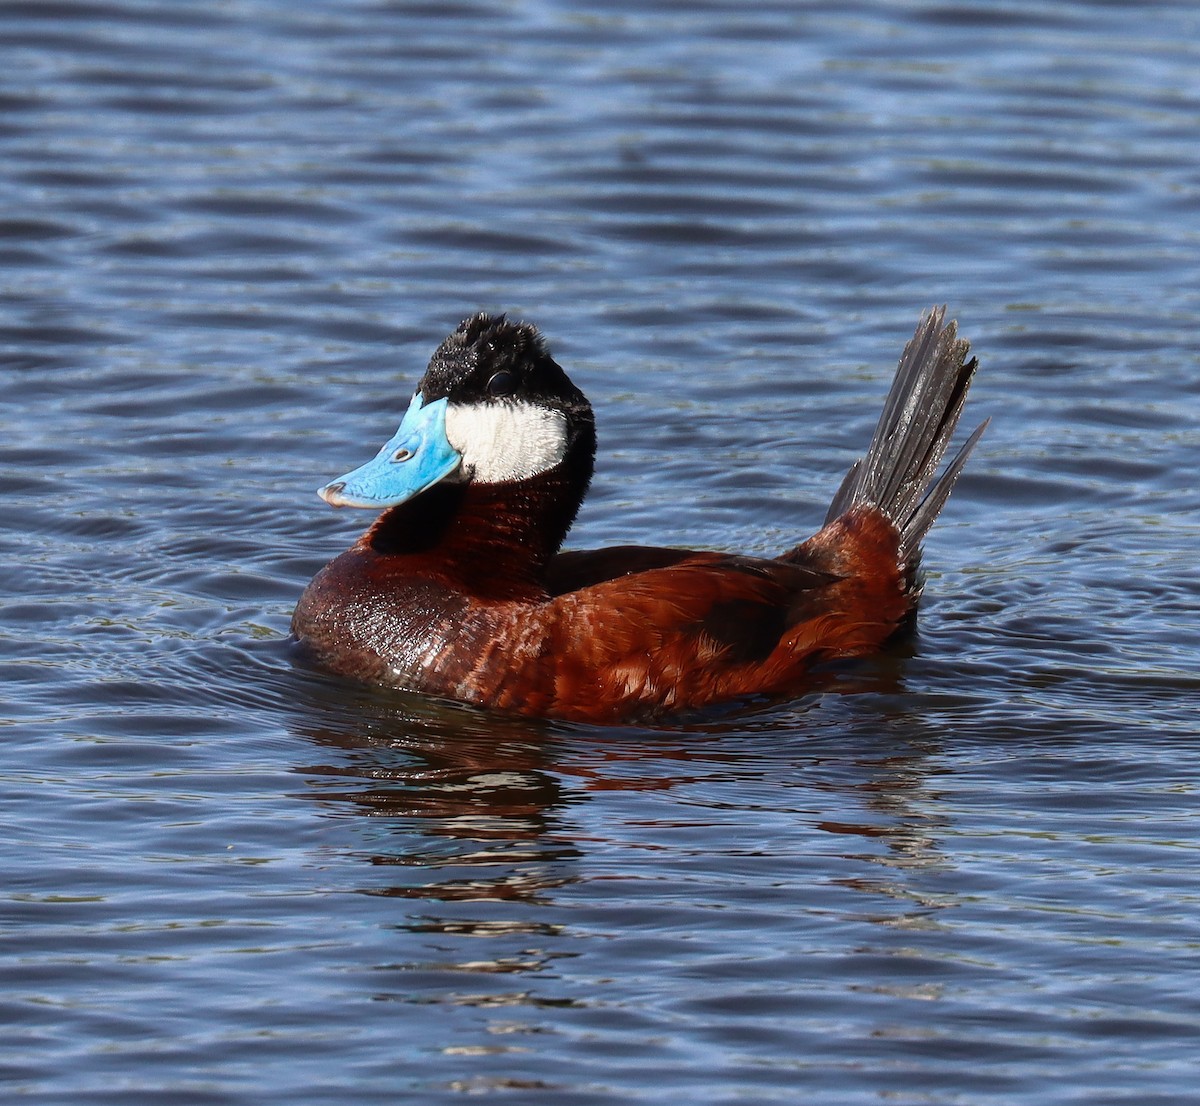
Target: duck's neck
<point x="493" y="540"/>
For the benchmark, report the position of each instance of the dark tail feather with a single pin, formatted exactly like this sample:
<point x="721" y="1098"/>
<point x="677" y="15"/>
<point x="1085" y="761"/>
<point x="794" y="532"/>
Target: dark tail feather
<point x="910" y="439"/>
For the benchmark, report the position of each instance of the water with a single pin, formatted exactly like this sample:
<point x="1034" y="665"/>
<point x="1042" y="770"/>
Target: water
<point x="231" y="235"/>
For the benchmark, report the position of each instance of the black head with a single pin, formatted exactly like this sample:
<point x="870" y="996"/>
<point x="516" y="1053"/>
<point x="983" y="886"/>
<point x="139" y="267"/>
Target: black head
<point x="489" y="358"/>
<point x="511" y="411"/>
<point x="493" y="408"/>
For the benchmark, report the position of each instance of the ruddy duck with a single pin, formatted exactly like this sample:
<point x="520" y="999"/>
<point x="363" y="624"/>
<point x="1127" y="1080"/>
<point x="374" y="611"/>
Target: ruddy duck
<point x="459" y="590"/>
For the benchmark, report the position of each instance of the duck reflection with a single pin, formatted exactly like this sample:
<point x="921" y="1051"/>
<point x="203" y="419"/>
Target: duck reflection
<point x="470" y="806"/>
<point x="465" y="803"/>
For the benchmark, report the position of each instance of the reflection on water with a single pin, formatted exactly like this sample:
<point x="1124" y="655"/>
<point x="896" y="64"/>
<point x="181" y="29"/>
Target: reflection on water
<point x="461" y="820"/>
<point x="540" y="864"/>
<point x="476" y="807"/>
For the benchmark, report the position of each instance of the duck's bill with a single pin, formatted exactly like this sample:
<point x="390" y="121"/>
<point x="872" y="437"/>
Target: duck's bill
<point x="417" y="457"/>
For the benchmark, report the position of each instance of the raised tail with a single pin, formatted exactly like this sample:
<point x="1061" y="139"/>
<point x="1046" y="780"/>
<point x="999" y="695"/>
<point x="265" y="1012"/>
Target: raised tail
<point x="896" y="474"/>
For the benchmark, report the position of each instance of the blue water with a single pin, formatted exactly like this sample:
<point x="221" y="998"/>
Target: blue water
<point x="230" y="237"/>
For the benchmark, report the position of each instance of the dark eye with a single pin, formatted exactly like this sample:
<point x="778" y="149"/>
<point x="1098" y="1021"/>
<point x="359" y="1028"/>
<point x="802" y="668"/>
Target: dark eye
<point x="502" y="383"/>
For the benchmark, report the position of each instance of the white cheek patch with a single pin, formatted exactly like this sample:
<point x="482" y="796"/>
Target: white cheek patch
<point x="500" y="442"/>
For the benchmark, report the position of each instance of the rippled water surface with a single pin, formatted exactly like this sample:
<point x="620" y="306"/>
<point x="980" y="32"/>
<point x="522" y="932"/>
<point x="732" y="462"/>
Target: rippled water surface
<point x="230" y="236"/>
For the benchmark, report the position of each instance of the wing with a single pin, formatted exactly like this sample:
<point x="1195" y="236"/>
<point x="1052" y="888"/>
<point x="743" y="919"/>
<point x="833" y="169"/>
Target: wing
<point x="689" y="632"/>
<point x="636" y="631"/>
<point x="584" y="568"/>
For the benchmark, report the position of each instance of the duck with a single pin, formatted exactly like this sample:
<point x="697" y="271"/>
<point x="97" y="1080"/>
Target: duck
<point x="460" y="588"/>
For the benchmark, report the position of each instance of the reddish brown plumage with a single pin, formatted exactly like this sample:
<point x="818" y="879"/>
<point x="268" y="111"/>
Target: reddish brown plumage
<point x="607" y="636"/>
<point x="711" y="628"/>
<point x="461" y="592"/>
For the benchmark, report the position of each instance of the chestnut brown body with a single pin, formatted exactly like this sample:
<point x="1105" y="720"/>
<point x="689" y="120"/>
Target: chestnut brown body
<point x="461" y="592"/>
